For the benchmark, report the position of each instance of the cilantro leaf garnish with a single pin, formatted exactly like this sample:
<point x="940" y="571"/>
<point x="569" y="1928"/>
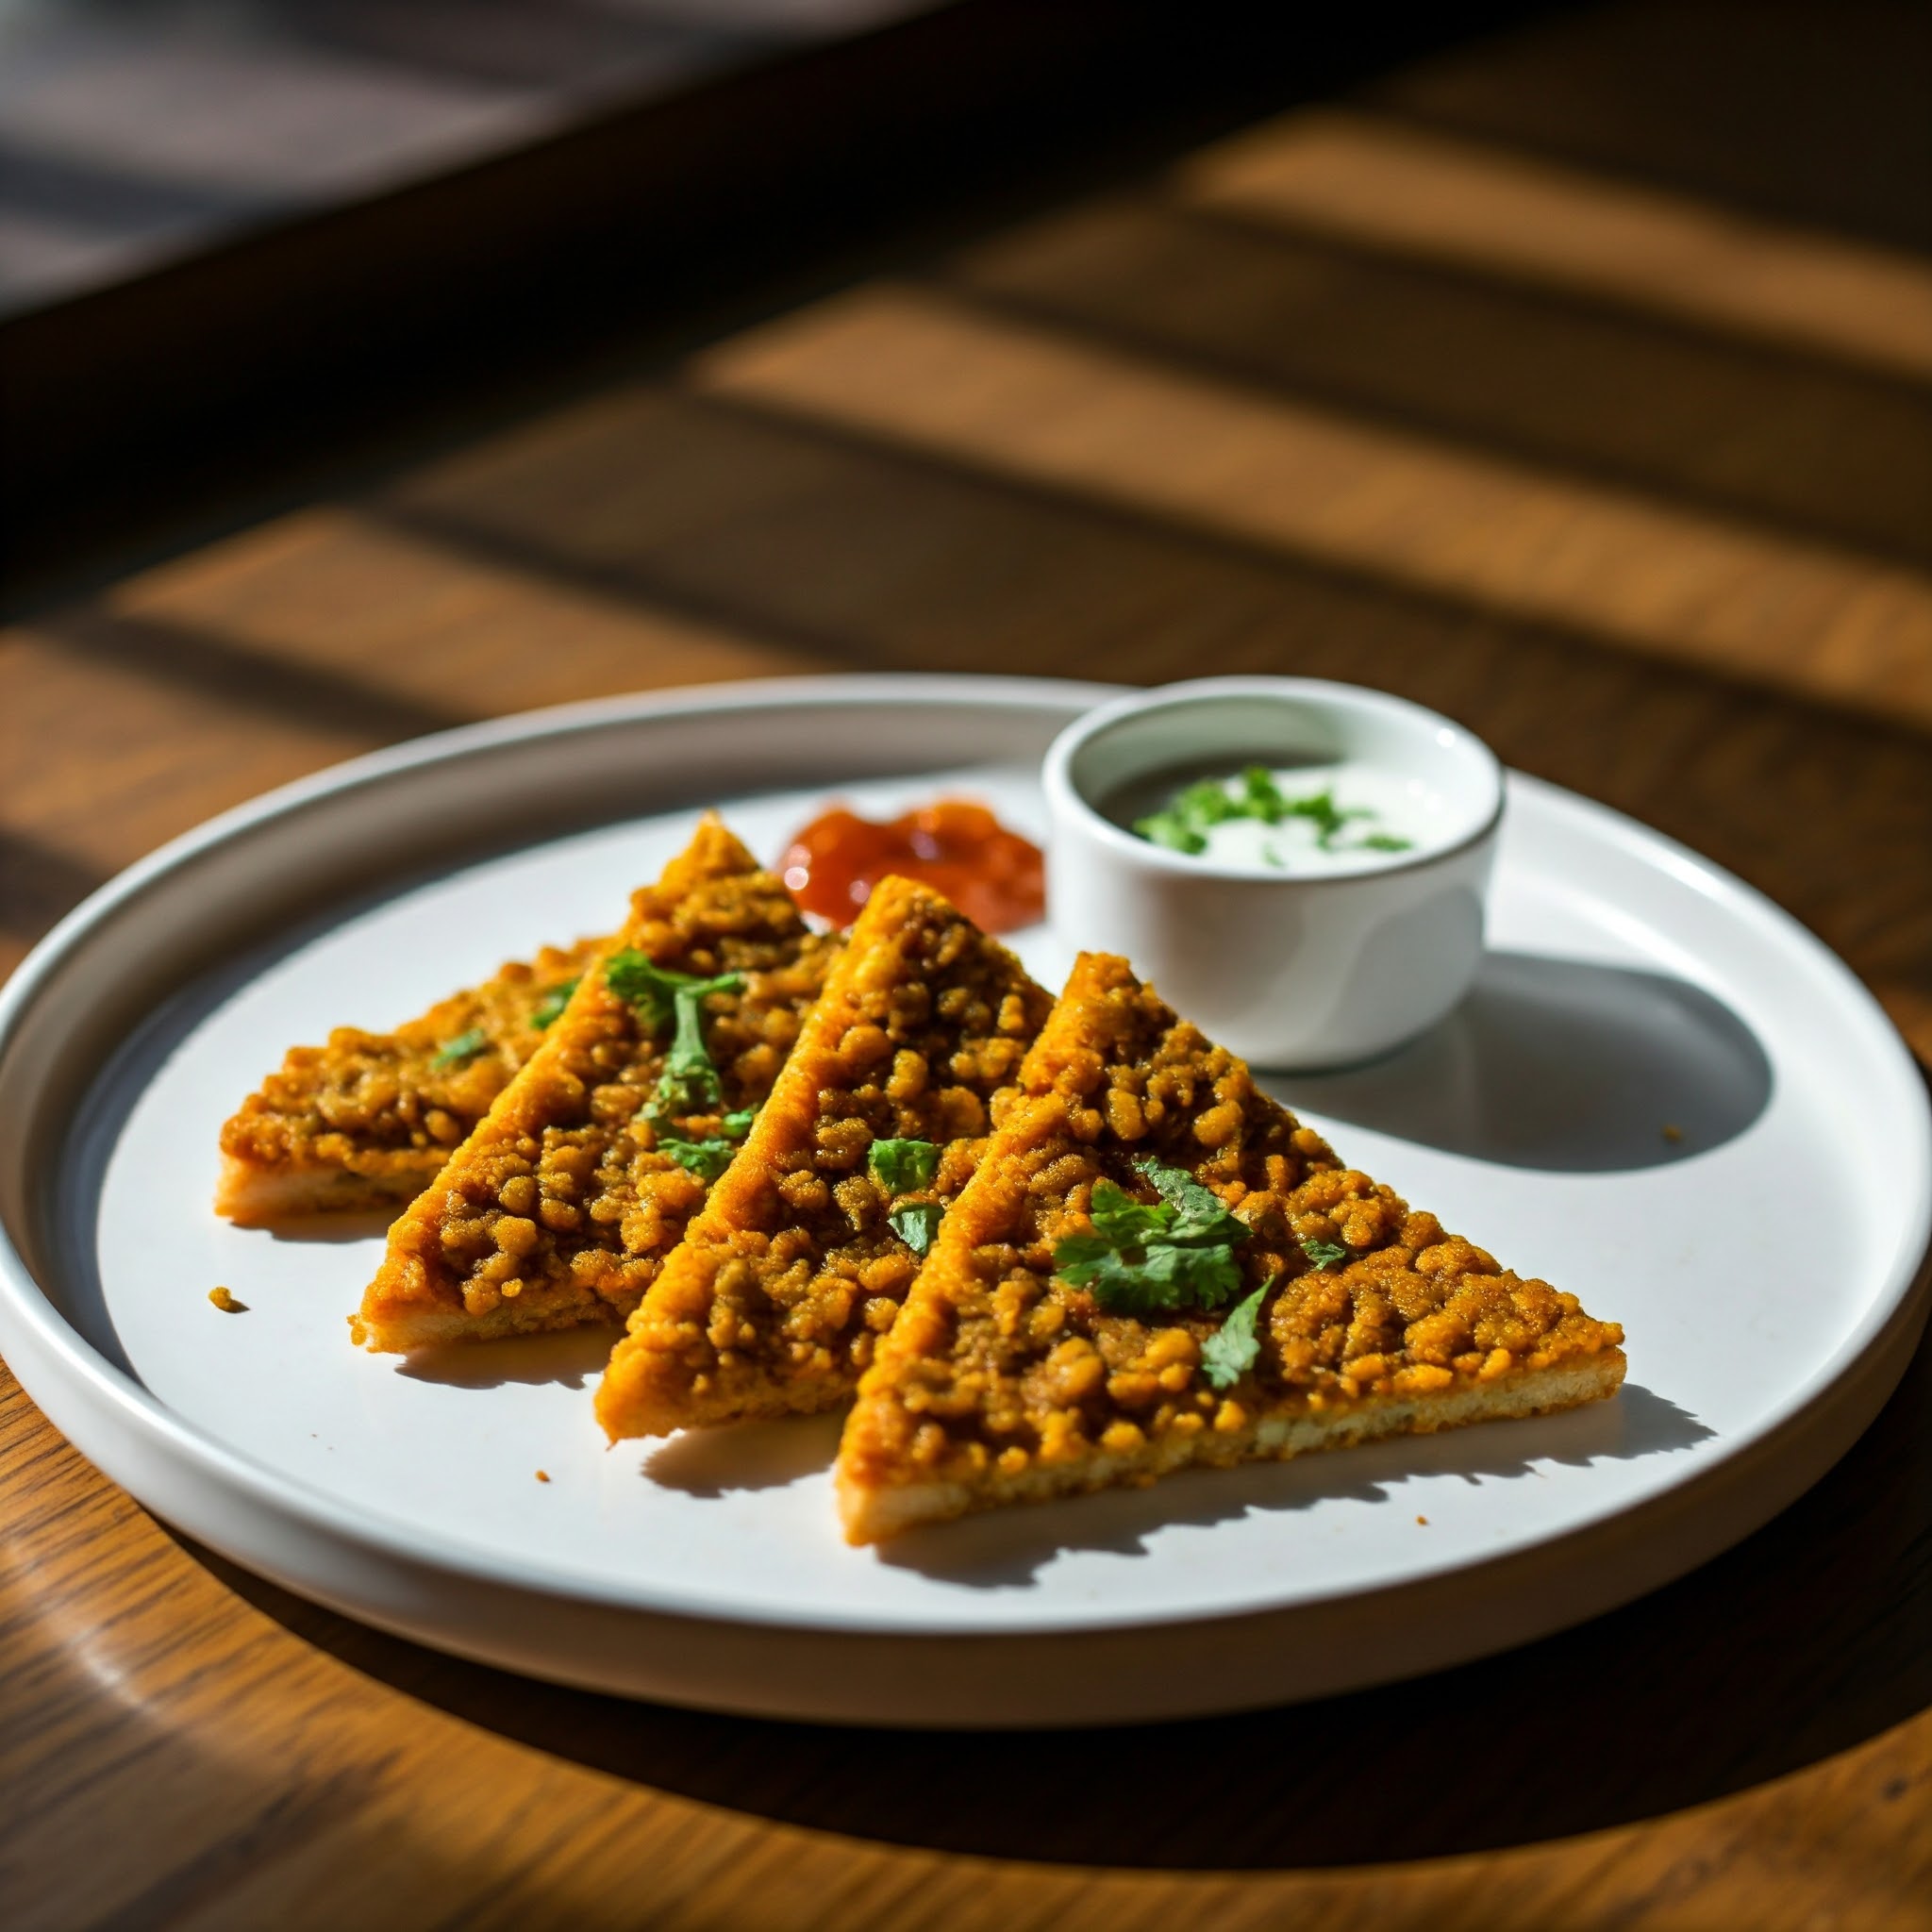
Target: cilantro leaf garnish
<point x="1183" y="827"/>
<point x="1260" y="796"/>
<point x="707" y="1158"/>
<point x="1171" y="829"/>
<point x="1079" y="1257"/>
<point x="1327" y="818"/>
<point x="657" y="989"/>
<point x="690" y="1081"/>
<point x="1324" y="1254"/>
<point x="1122" y="1221"/>
<point x="1184" y="823"/>
<point x="1206" y="804"/>
<point x="1230" y="1352"/>
<point x="1173" y="1252"/>
<point x="460" y="1051"/>
<point x="1201" y="1216"/>
<point x="550" y="1007"/>
<point x="902" y="1166"/>
<point x="1146" y="1277"/>
<point x="916" y="1222"/>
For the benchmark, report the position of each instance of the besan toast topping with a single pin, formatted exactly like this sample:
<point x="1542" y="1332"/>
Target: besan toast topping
<point x="560" y="1206"/>
<point x="369" y="1119"/>
<point x="1238" y="1292"/>
<point x="799" y="1261"/>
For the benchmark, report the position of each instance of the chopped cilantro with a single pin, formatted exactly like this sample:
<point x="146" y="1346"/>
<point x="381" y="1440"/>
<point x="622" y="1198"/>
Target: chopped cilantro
<point x="1201" y="1216"/>
<point x="1229" y="1352"/>
<point x="902" y="1166"/>
<point x="634" y="977"/>
<point x="1262" y="798"/>
<point x="1183" y="827"/>
<point x="707" y="1158"/>
<point x="1184" y="823"/>
<point x="690" y="1081"/>
<point x="1143" y="1277"/>
<point x="1122" y="1221"/>
<point x="1143" y="1256"/>
<point x="916" y="1222"/>
<point x="1207" y="804"/>
<point x="1170" y="829"/>
<point x="1324" y="1254"/>
<point x="550" y="1007"/>
<point x="460" y="1051"/>
<point x="1330" y="819"/>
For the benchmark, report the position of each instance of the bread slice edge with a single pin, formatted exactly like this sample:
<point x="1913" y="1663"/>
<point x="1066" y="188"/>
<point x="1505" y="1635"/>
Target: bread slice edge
<point x="872" y="1514"/>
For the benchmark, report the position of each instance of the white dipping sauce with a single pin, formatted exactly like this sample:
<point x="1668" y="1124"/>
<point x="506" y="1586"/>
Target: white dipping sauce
<point x="1394" y="807"/>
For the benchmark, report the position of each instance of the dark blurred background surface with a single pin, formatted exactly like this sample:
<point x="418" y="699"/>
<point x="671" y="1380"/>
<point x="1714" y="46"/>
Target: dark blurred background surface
<point x="242" y="243"/>
<point x="137" y="132"/>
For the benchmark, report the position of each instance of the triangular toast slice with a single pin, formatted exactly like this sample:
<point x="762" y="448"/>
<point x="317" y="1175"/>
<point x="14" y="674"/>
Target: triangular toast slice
<point x="368" y="1121"/>
<point x="798" y="1262"/>
<point x="1285" y="1303"/>
<point x="560" y="1207"/>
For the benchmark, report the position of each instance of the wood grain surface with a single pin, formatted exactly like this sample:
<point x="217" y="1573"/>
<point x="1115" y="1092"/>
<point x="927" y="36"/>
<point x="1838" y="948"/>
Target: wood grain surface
<point x="1516" y="386"/>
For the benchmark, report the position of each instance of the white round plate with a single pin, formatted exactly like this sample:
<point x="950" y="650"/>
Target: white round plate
<point x="1663" y="1094"/>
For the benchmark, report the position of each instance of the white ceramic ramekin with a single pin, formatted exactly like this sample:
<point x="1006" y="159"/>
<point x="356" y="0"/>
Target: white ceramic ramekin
<point x="1288" y="972"/>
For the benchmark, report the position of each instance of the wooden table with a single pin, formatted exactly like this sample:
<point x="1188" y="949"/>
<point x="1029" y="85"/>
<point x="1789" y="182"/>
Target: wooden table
<point x="1514" y="386"/>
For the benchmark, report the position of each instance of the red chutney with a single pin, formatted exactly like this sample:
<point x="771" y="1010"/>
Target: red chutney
<point x="994" y="876"/>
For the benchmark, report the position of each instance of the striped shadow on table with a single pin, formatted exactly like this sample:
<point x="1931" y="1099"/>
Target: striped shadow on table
<point x="928" y="369"/>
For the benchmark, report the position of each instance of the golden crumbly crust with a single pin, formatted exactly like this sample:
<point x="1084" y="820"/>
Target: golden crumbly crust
<point x="1001" y="1383"/>
<point x="560" y="1206"/>
<point x="368" y="1119"/>
<point x="776" y="1299"/>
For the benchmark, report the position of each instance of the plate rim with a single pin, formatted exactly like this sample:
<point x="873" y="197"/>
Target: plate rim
<point x="316" y="1510"/>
